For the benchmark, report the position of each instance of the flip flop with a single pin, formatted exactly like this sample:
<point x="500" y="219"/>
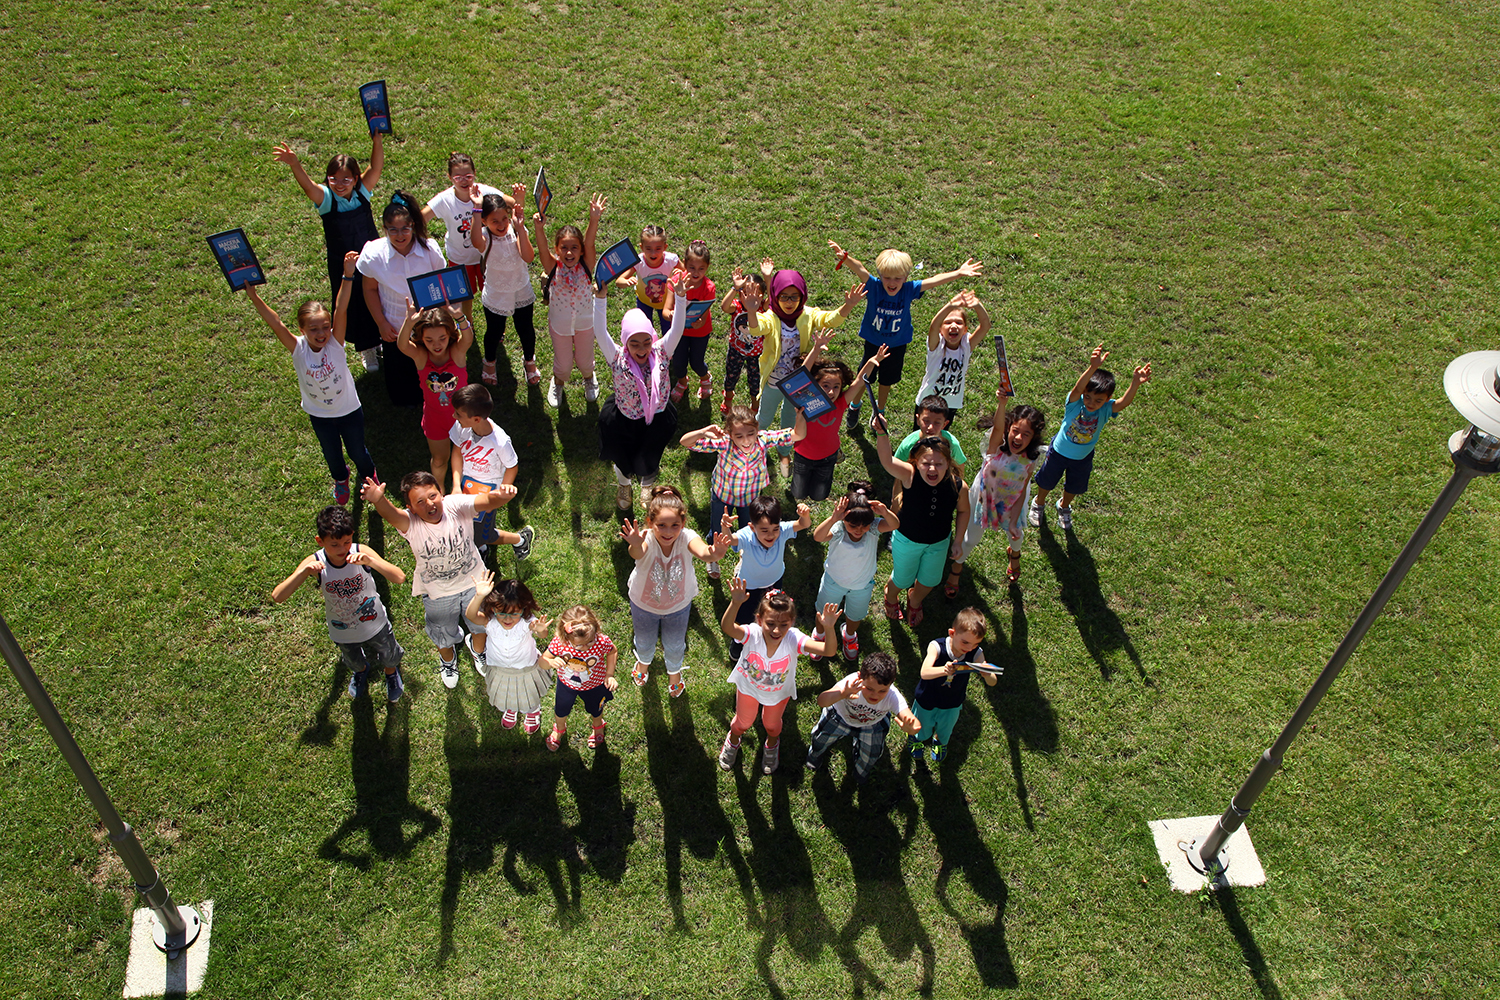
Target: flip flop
<point x="639" y="673"/>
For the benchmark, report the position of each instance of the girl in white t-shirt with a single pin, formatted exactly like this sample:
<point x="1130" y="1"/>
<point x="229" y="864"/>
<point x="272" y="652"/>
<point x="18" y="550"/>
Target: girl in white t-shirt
<point x="505" y="253"/>
<point x="664" y="582"/>
<point x="457" y="207"/>
<point x="950" y="344"/>
<point x="515" y="680"/>
<point x="765" y="675"/>
<point x="328" y="394"/>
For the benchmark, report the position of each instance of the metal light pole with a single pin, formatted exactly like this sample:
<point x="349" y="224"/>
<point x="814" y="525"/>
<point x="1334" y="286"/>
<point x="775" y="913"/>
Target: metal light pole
<point x="176" y="926"/>
<point x="1473" y="386"/>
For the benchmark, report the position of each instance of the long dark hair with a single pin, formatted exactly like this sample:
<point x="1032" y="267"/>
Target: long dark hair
<point x="405" y="204"/>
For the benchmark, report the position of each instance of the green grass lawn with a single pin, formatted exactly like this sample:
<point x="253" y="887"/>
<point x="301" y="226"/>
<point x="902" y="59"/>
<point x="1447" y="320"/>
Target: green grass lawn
<point x="1290" y="210"/>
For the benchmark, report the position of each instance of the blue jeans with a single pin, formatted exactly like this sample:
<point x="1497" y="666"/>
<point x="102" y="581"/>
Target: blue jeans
<point x="672" y="629"/>
<point x="337" y="433"/>
<point x="716" y="509"/>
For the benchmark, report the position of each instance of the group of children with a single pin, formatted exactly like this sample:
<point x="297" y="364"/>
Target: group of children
<point x="933" y="517"/>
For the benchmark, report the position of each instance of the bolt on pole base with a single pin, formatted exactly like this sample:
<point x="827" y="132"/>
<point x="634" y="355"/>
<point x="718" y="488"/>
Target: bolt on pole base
<point x="154" y="971"/>
<point x="174" y="943"/>
<point x="1178" y="842"/>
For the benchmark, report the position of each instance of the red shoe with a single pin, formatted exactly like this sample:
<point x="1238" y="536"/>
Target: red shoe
<point x="679" y="390"/>
<point x="851" y="648"/>
<point x="705" y="386"/>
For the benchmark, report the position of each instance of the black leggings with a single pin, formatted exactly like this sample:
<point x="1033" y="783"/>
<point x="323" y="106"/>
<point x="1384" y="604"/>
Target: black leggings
<point x="690" y="351"/>
<point x="494" y="328"/>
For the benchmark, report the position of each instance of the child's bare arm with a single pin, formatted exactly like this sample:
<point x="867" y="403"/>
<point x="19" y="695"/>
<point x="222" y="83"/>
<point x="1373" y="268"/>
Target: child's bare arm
<point x="495" y="499"/>
<point x="341" y="303"/>
<point x="997" y="429"/>
<point x="828" y="621"/>
<point x="857" y="387"/>
<point x="404" y="342"/>
<point x="283" y="334"/>
<point x="931" y="669"/>
<point x="970" y="268"/>
<point x="484" y="582"/>
<point x="283" y="154"/>
<point x="983" y="326"/>
<point x="804" y="517"/>
<point x="842" y="691"/>
<point x="908" y="722"/>
<point x="888" y="519"/>
<point x="935" y="328"/>
<point x="373" y="493"/>
<point x="542" y="249"/>
<point x="371" y="176"/>
<point x="1096" y="359"/>
<point x="372" y="559"/>
<point x="597" y="204"/>
<point x="852" y="298"/>
<point x="727" y="623"/>
<point x="820" y="340"/>
<point x="824" y="530"/>
<point x="711" y="431"/>
<point x="902" y="471"/>
<point x="456" y="465"/>
<point x="610" y="662"/>
<point x="738" y="279"/>
<point x="1141" y="377"/>
<point x="307" y="569"/>
<point x="841" y="257"/>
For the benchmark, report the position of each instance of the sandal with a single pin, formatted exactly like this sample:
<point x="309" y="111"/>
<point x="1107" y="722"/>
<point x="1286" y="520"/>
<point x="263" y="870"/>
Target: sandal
<point x="596" y="737"/>
<point x="950" y="589"/>
<point x="533" y="377"/>
<point x="676" y="688"/>
<point x="893" y="611"/>
<point x="639" y="673"/>
<point x="487" y="373"/>
<point x="1013" y="571"/>
<point x="913" y="614"/>
<point x="554" y="738"/>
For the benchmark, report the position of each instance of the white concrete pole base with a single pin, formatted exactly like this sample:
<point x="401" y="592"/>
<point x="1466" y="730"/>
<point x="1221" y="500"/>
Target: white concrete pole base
<point x="1176" y="839"/>
<point x="150" y="972"/>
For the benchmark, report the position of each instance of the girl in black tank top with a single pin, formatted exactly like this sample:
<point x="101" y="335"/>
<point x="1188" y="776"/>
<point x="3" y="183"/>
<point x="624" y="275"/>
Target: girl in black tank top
<point x="933" y="493"/>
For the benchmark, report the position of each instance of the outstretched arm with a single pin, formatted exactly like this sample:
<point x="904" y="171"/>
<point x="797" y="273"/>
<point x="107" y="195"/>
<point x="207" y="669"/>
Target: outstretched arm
<point x="607" y="347"/>
<point x="373" y="492"/>
<point x="341" y="304"/>
<point x="902" y="471"/>
<point x="1096" y="359"/>
<point x="679" y="318"/>
<point x="283" y="154"/>
<point x="597" y="204"/>
<point x="983" y="326"/>
<point x="737" y="595"/>
<point x="841" y="258"/>
<point x="371" y="175"/>
<point x="970" y="268"/>
<point x="1141" y="377"/>
<point x="288" y="340"/>
<point x="307" y="569"/>
<point x="852" y="394"/>
<point x="542" y="250"/>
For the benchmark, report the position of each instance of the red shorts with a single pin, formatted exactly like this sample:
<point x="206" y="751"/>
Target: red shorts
<point x="474" y="273"/>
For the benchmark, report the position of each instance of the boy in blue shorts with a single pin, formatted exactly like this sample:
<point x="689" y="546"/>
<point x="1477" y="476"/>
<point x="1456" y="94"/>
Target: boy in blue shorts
<point x="887" y="321"/>
<point x="1072" y="452"/>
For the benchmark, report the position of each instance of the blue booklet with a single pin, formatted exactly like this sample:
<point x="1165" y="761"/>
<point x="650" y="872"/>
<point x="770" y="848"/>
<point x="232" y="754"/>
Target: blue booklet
<point x="804" y="394"/>
<point x="377" y="106"/>
<point x="236" y="259"/>
<point x="1005" y="385"/>
<point x="614" y="262"/>
<point x="541" y="193"/>
<point x="697" y="308"/>
<point x="427" y="289"/>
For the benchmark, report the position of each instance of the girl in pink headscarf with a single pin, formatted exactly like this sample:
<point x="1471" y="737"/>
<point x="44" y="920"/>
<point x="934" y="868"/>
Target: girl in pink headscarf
<point x="788" y="329"/>
<point x="638" y="420"/>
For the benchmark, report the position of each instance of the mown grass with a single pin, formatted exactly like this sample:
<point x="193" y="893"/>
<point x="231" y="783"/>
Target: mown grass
<point x="1289" y="210"/>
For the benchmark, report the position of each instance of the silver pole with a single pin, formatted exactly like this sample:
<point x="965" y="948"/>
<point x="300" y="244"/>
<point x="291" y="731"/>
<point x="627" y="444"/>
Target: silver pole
<point x="1465" y="467"/>
<point x="176" y="930"/>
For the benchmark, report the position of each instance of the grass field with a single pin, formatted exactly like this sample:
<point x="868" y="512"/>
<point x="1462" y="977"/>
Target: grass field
<point x="1290" y="210"/>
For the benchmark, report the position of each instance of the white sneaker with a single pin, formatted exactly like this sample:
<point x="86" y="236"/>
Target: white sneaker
<point x="1034" y="514"/>
<point x="728" y="754"/>
<point x="554" y="394"/>
<point x="1065" y="517"/>
<point x="478" y="658"/>
<point x="371" y="357"/>
<point x="713" y="570"/>
<point x="449" y="671"/>
<point x="591" y="389"/>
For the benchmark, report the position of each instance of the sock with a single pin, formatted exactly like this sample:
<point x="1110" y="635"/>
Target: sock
<point x="847" y="632"/>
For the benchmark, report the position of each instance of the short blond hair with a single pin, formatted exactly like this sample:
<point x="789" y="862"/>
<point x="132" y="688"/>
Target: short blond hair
<point x="893" y="263"/>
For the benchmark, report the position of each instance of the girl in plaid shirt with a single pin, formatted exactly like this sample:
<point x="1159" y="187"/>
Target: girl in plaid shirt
<point x="740" y="474"/>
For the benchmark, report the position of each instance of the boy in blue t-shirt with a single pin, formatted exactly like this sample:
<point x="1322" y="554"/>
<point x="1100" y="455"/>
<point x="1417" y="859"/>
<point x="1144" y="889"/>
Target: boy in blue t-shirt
<point x="762" y="548"/>
<point x="887" y="321"/>
<point x="1072" y="452"/>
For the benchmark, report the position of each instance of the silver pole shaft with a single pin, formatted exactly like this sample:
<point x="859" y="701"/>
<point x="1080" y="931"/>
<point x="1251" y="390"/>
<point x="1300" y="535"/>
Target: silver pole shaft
<point x="147" y="882"/>
<point x="1270" y="761"/>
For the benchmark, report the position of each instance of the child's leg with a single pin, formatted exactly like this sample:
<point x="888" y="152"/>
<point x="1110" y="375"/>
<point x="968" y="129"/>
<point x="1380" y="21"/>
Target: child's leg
<point x="734" y="363"/>
<point x="647" y="627"/>
<point x="674" y="644"/>
<point x="680" y="357"/>
<point x="438" y="450"/>
<point x="943" y="721"/>
<point x="869" y="744"/>
<point x="494" y="331"/>
<point x="526" y="329"/>
<point x="562" y="706"/>
<point x="562" y="354"/>
<point x="829" y="727"/>
<point x="890" y="373"/>
<point x="332" y="445"/>
<point x="928" y="718"/>
<point x="745" y="710"/>
<point x="352" y="430"/>
<point x="442" y="617"/>
<point x="384" y="651"/>
<point x="770" y="406"/>
<point x="583" y="351"/>
<point x="770" y="718"/>
<point x="752" y="376"/>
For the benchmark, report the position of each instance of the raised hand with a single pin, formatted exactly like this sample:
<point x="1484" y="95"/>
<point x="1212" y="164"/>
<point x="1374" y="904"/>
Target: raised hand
<point x="726" y="525"/>
<point x="738" y="591"/>
<point x="518" y="192"/>
<point x="841" y="508"/>
<point x="767" y="268"/>
<point x="372" y="490"/>
<point x="971" y="268"/>
<point x="803" y="510"/>
<point x="738" y="278"/>
<point x="597" y="204"/>
<point x="350" y="259"/>
<point x="854" y="295"/>
<point x="283" y="154"/>
<point x="484" y="582"/>
<point x="1143" y="374"/>
<point x="312" y="566"/>
<point x="634" y="534"/>
<point x="1098" y="356"/>
<point x="880" y="509"/>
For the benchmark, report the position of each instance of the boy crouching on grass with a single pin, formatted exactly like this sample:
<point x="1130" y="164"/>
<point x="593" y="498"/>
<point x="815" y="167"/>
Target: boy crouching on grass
<point x="357" y="620"/>
<point x="861" y="706"/>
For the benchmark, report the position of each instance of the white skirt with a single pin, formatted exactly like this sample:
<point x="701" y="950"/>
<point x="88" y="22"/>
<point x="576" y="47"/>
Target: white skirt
<point x="517" y="690"/>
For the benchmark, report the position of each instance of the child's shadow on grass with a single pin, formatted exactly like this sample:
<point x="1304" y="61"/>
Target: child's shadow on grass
<point x="381" y="768"/>
<point x="606" y="826"/>
<point x="1017" y="700"/>
<point x="503" y="792"/>
<point x="687" y="786"/>
<point x="946" y="809"/>
<point x="1098" y="625"/>
<point x="874" y="847"/>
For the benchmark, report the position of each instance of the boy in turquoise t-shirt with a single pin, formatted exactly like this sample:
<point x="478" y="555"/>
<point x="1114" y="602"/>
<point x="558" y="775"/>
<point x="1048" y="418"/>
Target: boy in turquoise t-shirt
<point x="1088" y="409"/>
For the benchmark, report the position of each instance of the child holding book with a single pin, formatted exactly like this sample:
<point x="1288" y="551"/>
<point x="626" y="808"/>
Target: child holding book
<point x="437" y="341"/>
<point x="650" y="277"/>
<point x="343" y="204"/>
<point x="950" y="344"/>
<point x="404" y="252"/>
<point x="1088" y="409"/>
<point x="692" y="349"/>
<point x="945" y="679"/>
<point x="765" y="677"/>
<point x="484" y="459"/>
<point x="861" y="706"/>
<point x="997" y="498"/>
<point x="746" y="342"/>
<point x="357" y="620"/>
<point x="740" y="473"/>
<point x="817" y="451"/>
<point x="888" y="310"/>
<point x="329" y="397"/>
<point x="456" y="207"/>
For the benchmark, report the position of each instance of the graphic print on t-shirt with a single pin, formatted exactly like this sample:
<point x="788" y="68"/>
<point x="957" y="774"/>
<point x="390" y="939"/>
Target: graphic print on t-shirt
<point x="1084" y="427"/>
<point x="861" y="712"/>
<point x="445" y="557"/>
<point x="656" y="287"/>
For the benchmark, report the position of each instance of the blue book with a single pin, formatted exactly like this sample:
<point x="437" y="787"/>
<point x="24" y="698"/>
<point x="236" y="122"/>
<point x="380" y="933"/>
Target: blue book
<point x="697" y="308"/>
<point x="377" y="106"/>
<point x="427" y="289"/>
<point x="236" y="259"/>
<point x="614" y="262"/>
<point x="804" y="394"/>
